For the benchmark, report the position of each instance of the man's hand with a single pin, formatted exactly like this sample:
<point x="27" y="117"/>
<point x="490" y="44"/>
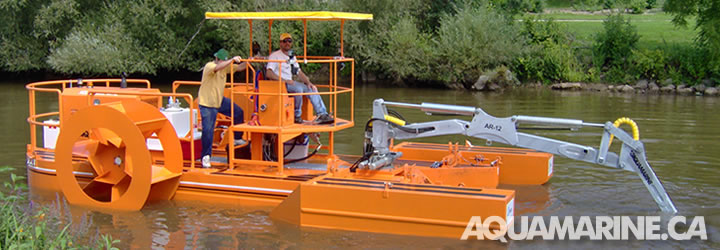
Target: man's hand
<point x="237" y="59"/>
<point x="312" y="86"/>
<point x="306" y="80"/>
<point x="289" y="82"/>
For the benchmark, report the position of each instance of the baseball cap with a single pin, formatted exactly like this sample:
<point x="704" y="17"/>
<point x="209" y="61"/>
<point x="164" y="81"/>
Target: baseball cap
<point x="222" y="54"/>
<point x="284" y="36"/>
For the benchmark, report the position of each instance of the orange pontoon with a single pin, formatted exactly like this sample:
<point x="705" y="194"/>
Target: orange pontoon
<point x="119" y="148"/>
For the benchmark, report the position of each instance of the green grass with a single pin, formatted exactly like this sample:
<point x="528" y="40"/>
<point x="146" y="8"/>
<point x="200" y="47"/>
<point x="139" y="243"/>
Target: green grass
<point x="568" y="4"/>
<point x="655" y="30"/>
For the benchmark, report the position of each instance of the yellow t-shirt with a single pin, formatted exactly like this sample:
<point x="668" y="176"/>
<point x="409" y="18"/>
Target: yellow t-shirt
<point x="212" y="87"/>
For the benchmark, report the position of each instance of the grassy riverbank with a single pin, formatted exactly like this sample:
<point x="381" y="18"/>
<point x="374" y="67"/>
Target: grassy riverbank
<point x="655" y="29"/>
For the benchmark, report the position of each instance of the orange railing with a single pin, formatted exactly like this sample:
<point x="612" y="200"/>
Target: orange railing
<point x="59" y="85"/>
<point x="333" y="90"/>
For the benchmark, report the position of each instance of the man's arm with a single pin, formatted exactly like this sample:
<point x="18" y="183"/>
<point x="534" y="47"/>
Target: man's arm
<point x="270" y="74"/>
<point x="303" y="78"/>
<point x="223" y="64"/>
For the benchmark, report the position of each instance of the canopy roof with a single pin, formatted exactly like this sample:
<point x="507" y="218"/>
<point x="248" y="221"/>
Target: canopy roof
<point x="289" y="15"/>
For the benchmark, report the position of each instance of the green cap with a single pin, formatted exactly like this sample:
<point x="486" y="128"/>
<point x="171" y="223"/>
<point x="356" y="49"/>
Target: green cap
<point x="222" y="54"/>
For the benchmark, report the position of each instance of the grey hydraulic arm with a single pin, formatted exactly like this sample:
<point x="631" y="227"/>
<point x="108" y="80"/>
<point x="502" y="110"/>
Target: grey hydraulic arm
<point x="504" y="130"/>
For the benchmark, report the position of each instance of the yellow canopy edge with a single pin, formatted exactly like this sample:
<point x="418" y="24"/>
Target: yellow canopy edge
<point x="311" y="15"/>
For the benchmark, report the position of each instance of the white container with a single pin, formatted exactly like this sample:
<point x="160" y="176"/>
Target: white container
<point x="180" y="119"/>
<point x="50" y="133"/>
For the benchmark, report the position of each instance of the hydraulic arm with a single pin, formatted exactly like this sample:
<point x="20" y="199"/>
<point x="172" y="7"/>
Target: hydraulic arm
<point x="504" y="130"/>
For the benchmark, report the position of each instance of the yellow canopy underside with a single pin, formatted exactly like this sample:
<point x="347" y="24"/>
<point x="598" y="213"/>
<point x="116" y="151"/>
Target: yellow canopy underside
<point x="310" y="15"/>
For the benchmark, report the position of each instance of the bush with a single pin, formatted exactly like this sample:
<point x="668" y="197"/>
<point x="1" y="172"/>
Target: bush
<point x="608" y="4"/>
<point x="635" y="6"/>
<point x="473" y="40"/>
<point x="365" y="41"/>
<point x="405" y="51"/>
<point x="692" y="64"/>
<point x="501" y="76"/>
<point x="614" y="45"/>
<point x="649" y="64"/>
<point x="552" y="57"/>
<point x="519" y="6"/>
<point x="651" y="4"/>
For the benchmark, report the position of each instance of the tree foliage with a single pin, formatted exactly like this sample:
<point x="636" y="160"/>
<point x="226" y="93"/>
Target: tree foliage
<point x="20" y="50"/>
<point x="475" y="40"/>
<point x="615" y="44"/>
<point x="421" y="41"/>
<point x="551" y="54"/>
<point x="707" y="13"/>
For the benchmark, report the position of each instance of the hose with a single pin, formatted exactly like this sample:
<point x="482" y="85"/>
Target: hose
<point x="396" y="114"/>
<point x="633" y="125"/>
<point x="400" y="127"/>
<point x="268" y="150"/>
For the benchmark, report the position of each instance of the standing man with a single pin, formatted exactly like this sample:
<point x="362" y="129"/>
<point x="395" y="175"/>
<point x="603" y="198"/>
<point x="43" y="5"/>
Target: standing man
<point x="212" y="101"/>
<point x="288" y="70"/>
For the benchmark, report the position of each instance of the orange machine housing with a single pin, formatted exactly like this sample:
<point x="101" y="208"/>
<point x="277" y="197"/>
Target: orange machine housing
<point x="275" y="109"/>
<point x="75" y="99"/>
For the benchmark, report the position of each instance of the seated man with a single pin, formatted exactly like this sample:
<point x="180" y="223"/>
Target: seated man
<point x="304" y="86"/>
<point x="212" y="101"/>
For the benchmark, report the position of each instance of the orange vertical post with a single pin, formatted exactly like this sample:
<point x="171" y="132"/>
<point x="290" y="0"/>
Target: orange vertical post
<point x="280" y="153"/>
<point x="250" y="43"/>
<point x="251" y="37"/>
<point x="270" y="37"/>
<point x="352" y="90"/>
<point x="331" y="141"/>
<point x="342" y="45"/>
<point x="305" y="38"/>
<point x="31" y="99"/>
<point x="231" y="145"/>
<point x="334" y="89"/>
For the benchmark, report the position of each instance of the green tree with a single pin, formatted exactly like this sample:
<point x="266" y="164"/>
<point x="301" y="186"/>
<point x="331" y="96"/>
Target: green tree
<point x="708" y="20"/>
<point x="20" y="49"/>
<point x="473" y="41"/>
<point x="134" y="36"/>
<point x="405" y="52"/>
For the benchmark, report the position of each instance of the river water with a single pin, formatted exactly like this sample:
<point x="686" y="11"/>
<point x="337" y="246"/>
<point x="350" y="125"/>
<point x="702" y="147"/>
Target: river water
<point x="680" y="133"/>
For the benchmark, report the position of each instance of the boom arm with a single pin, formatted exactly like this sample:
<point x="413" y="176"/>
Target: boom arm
<point x="504" y="130"/>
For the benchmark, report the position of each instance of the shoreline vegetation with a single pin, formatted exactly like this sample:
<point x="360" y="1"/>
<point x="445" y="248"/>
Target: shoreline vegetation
<point x="428" y="43"/>
<point x="28" y="225"/>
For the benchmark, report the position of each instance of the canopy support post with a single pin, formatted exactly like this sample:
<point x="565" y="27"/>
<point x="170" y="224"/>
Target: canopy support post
<point x="342" y="45"/>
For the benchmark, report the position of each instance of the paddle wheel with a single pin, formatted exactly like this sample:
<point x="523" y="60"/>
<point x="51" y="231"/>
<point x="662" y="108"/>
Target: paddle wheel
<point x="113" y="139"/>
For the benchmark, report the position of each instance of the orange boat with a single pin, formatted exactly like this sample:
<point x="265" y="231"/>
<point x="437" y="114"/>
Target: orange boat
<point x="115" y="147"/>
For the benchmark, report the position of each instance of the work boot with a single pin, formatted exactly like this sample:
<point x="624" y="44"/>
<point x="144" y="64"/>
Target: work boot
<point x="206" y="161"/>
<point x="325" y="119"/>
<point x="298" y="120"/>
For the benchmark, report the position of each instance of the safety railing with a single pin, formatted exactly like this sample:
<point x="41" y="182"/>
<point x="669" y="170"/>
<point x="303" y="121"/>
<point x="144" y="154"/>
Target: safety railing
<point x="59" y="86"/>
<point x="331" y="89"/>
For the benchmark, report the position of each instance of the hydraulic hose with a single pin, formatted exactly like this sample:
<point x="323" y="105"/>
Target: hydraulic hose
<point x="633" y="125"/>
